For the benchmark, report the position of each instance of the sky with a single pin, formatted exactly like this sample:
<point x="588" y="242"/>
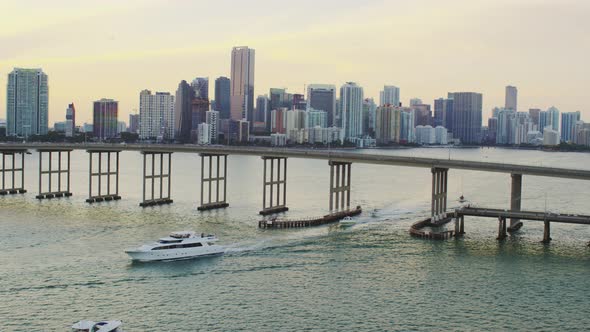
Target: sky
<point x="93" y="49"/>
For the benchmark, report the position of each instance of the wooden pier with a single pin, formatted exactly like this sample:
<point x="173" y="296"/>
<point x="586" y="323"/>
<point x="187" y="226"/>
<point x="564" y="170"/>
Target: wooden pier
<point x="417" y="230"/>
<point x="309" y="222"/>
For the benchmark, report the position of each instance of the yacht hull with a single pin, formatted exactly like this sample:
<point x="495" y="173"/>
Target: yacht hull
<point x="174" y="254"/>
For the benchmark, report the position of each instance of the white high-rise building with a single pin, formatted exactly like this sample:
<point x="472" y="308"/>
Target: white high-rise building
<point x="242" y="84"/>
<point x="316" y="118"/>
<point x="156" y="115"/>
<point x="550" y="136"/>
<point x="351" y="109"/>
<point x="27" y="103"/>
<point x="441" y="135"/>
<point x="213" y="122"/>
<point x="389" y="96"/>
<point x="511" y="98"/>
<point x="204" y="133"/>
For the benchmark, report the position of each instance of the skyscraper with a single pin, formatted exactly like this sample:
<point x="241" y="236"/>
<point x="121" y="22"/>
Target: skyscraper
<point x="156" y="115"/>
<point x="443" y="113"/>
<point x="242" y="84"/>
<point x="534" y="114"/>
<point x="549" y="118"/>
<point x="388" y="124"/>
<point x="389" y="96"/>
<point x="322" y="97"/>
<point x="105" y="118"/>
<point x="568" y="126"/>
<point x="351" y="101"/>
<point x="70" y="120"/>
<point x="201" y="87"/>
<point x="222" y="97"/>
<point x="467" y="109"/>
<point x="134" y="123"/>
<point x="262" y="110"/>
<point x="415" y="101"/>
<point x="511" y="98"/>
<point x="27" y="100"/>
<point x="183" y="112"/>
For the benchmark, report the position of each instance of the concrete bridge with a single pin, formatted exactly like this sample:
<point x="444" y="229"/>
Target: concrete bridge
<point x="214" y="173"/>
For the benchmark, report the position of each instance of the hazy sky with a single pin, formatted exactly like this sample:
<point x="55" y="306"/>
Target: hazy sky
<point x="114" y="49"/>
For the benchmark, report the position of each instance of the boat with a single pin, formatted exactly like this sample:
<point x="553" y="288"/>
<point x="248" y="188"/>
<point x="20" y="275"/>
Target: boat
<point x="103" y="326"/>
<point x="347" y="221"/>
<point x="178" y="245"/>
<point x="462" y="199"/>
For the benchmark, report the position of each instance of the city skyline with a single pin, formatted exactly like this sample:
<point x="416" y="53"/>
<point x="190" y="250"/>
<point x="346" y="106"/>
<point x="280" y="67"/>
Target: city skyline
<point x="497" y="56"/>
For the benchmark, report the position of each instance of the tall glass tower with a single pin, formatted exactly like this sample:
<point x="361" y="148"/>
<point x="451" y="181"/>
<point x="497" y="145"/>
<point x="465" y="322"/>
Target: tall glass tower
<point x="27" y="102"/>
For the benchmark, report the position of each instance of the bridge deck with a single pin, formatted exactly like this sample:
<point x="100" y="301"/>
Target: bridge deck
<point x="525" y="215"/>
<point x="333" y="155"/>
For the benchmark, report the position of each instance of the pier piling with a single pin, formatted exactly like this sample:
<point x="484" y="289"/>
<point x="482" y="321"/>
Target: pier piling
<point x="340" y="173"/>
<point x="9" y="171"/>
<point x="53" y="170"/>
<point x="212" y="180"/>
<point x="546" y="232"/>
<point x="98" y="175"/>
<point x="277" y="200"/>
<point x="161" y="174"/>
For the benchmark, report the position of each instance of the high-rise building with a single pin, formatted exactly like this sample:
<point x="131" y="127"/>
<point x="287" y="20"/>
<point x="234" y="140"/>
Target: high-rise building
<point x="369" y="117"/>
<point x="201" y="87"/>
<point x="316" y="119"/>
<point x="407" y="128"/>
<point x="322" y="97"/>
<point x="105" y="118"/>
<point x="199" y="109"/>
<point x="388" y="124"/>
<point x="213" y="122"/>
<point x="70" y="120"/>
<point x="277" y="120"/>
<point x="299" y="102"/>
<point x="511" y="98"/>
<point x="183" y="112"/>
<point x="222" y="96"/>
<point x="262" y="110"/>
<point x="27" y="103"/>
<point x="351" y="101"/>
<point x="423" y="114"/>
<point x="279" y="98"/>
<point x="389" y="96"/>
<point x="134" y="123"/>
<point x="242" y="84"/>
<point x="467" y="113"/>
<point x="534" y="114"/>
<point x="415" y="101"/>
<point x="156" y="115"/>
<point x="568" y="126"/>
<point x="505" y="126"/>
<point x="549" y="118"/>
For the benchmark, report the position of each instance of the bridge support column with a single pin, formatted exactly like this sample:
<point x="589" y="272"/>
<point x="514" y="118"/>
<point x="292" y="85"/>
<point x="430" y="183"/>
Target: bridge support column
<point x="213" y="179"/>
<point x="98" y="174"/>
<point x="459" y="226"/>
<point x="52" y="169"/>
<point x="339" y="185"/>
<point x="280" y="181"/>
<point x="515" y="201"/>
<point x="439" y="194"/>
<point x="151" y="196"/>
<point x="502" y="228"/>
<point x="10" y="169"/>
<point x="546" y="232"/>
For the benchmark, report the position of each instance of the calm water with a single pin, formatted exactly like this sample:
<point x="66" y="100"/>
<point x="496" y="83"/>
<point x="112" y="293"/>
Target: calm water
<point x="63" y="260"/>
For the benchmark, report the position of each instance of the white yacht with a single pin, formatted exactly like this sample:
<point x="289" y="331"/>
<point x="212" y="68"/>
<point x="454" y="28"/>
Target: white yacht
<point x="104" y="326"/>
<point x="347" y="221"/>
<point x="179" y="245"/>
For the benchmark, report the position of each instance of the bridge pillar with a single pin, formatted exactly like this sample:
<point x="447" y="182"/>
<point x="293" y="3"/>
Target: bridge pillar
<point x="98" y="174"/>
<point x="459" y="225"/>
<point x="52" y="169"/>
<point x="546" y="232"/>
<point x="515" y="201"/>
<point x="502" y="228"/>
<point x="439" y="193"/>
<point x="280" y="180"/>
<point x="213" y="180"/>
<point x="153" y="197"/>
<point x="10" y="169"/>
<point x="339" y="185"/>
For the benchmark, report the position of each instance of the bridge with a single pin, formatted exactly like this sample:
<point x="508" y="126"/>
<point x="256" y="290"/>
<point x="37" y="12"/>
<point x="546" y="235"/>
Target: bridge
<point x="104" y="165"/>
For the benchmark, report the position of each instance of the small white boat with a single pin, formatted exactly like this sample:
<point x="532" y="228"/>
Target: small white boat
<point x="104" y="326"/>
<point x="179" y="245"/>
<point x="347" y="221"/>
